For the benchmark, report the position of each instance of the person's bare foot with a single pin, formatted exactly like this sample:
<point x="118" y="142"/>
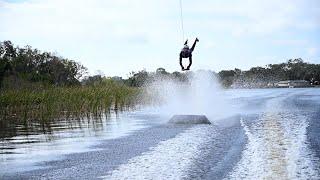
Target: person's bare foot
<point x="188" y="68"/>
<point x="182" y="69"/>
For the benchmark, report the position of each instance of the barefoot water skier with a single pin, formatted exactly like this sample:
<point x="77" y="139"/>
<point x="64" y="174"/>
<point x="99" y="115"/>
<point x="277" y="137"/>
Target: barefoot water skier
<point x="186" y="52"/>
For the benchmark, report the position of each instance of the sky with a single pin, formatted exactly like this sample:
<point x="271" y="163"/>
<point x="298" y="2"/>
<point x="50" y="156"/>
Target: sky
<point x="116" y="37"/>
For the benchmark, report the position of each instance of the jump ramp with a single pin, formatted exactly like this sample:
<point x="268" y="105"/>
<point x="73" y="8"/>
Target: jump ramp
<point x="189" y="119"/>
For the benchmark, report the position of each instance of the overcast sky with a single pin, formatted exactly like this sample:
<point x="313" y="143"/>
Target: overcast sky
<point x="120" y="36"/>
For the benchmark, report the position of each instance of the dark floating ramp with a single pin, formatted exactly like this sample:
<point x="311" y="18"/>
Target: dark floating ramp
<point x="189" y="119"/>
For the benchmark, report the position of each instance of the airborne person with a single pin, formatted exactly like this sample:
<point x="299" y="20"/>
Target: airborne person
<point x="186" y="52"/>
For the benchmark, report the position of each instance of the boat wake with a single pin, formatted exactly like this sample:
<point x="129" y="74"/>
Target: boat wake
<point x="170" y="159"/>
<point x="277" y="147"/>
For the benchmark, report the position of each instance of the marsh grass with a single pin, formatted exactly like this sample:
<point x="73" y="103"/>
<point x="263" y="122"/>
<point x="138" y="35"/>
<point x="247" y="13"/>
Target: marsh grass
<point x="48" y="103"/>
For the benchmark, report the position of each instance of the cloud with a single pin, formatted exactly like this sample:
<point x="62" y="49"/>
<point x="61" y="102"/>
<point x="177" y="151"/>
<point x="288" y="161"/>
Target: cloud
<point x="312" y="51"/>
<point x="118" y="36"/>
<point x="290" y="42"/>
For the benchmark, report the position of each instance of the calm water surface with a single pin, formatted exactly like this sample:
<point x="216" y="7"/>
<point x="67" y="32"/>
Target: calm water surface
<point x="23" y="146"/>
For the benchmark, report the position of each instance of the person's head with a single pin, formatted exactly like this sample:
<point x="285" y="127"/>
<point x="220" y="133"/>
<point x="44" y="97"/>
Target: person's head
<point x="186" y="46"/>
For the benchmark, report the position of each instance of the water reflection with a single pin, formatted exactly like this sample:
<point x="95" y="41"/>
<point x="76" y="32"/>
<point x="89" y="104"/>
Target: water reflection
<point x="24" y="144"/>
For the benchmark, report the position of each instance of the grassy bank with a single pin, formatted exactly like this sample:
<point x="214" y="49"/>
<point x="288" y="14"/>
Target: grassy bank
<point x="68" y="102"/>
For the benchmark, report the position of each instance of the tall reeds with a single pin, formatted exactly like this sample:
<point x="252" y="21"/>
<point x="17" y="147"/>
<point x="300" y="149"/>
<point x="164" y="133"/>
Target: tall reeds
<point x="69" y="102"/>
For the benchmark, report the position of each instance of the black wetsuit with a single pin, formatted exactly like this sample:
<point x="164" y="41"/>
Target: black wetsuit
<point x="187" y="53"/>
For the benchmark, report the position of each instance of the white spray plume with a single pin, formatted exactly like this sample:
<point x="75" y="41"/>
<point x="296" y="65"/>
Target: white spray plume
<point x="202" y="95"/>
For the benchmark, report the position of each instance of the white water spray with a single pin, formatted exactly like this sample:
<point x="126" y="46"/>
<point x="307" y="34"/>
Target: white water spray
<point x="202" y="95"/>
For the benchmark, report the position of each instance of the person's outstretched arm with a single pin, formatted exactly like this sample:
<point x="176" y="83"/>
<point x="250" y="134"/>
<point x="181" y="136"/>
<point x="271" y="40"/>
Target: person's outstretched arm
<point x="194" y="44"/>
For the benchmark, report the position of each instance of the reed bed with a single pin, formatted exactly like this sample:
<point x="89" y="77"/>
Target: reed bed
<point x="67" y="102"/>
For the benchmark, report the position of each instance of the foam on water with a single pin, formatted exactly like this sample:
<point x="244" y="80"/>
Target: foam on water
<point x="277" y="147"/>
<point x="170" y="159"/>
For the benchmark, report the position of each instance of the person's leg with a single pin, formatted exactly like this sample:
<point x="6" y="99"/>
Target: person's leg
<point x="190" y="63"/>
<point x="180" y="61"/>
<point x="194" y="44"/>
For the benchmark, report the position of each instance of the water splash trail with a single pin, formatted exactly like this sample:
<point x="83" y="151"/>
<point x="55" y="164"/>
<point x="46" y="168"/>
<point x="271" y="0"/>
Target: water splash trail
<point x="170" y="159"/>
<point x="201" y="95"/>
<point x="277" y="147"/>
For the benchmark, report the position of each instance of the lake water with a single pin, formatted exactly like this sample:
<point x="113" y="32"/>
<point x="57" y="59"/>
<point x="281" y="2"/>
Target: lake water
<point x="282" y="129"/>
<point x="21" y="147"/>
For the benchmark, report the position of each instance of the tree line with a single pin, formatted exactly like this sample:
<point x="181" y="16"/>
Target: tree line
<point x="293" y="69"/>
<point x="256" y="77"/>
<point x="26" y="65"/>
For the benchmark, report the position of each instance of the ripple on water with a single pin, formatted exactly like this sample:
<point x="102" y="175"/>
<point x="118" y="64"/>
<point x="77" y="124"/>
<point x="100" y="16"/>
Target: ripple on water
<point x="277" y="149"/>
<point x="170" y="159"/>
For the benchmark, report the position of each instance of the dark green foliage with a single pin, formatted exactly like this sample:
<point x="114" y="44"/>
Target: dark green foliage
<point x="92" y="80"/>
<point x="293" y="69"/>
<point x="137" y="79"/>
<point x="143" y="77"/>
<point x="42" y="86"/>
<point x="227" y="77"/>
<point x="27" y="64"/>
